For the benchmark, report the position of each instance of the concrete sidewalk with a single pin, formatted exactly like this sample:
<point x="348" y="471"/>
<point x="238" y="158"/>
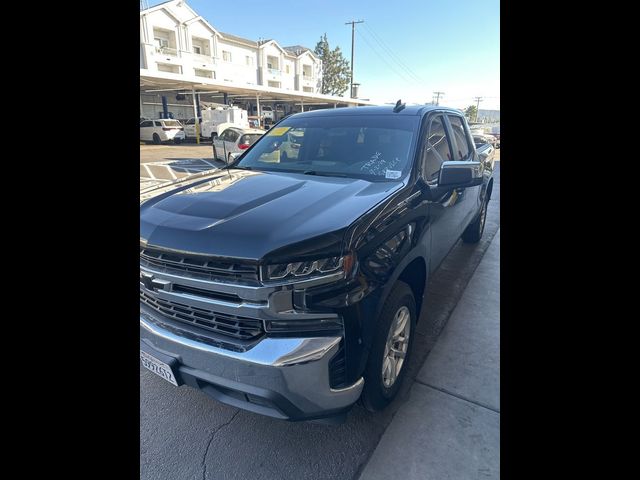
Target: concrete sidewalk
<point x="449" y="428"/>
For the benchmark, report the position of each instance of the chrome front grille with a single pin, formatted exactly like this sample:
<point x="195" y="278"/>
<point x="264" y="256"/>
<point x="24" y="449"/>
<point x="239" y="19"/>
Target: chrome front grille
<point x="240" y="328"/>
<point x="204" y="268"/>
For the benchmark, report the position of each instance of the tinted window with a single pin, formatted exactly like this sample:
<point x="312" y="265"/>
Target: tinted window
<point x="148" y="123"/>
<point x="157" y="124"/>
<point x="232" y="135"/>
<point x="373" y="147"/>
<point x="191" y="121"/>
<point x="249" y="138"/>
<point x="435" y="150"/>
<point x="462" y="142"/>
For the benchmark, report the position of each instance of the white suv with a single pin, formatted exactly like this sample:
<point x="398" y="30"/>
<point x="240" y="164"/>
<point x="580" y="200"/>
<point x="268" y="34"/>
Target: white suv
<point x="161" y="130"/>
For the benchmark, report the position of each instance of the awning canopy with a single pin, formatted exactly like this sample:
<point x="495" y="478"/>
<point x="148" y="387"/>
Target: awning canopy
<point x="157" y="82"/>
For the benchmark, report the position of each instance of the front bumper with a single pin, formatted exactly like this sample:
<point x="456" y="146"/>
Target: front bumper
<point x="285" y="378"/>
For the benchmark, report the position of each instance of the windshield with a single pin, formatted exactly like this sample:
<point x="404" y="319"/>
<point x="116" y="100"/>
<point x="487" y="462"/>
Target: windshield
<point x="371" y="147"/>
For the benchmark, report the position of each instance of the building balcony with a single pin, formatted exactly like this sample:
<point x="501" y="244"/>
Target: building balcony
<point x="167" y="51"/>
<point x="274" y="71"/>
<point x="198" y="58"/>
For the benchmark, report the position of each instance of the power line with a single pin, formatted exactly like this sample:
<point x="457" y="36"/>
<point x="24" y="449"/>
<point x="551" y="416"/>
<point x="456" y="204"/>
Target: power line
<point x="393" y="69"/>
<point x="395" y="57"/>
<point x="437" y="94"/>
<point x="353" y="33"/>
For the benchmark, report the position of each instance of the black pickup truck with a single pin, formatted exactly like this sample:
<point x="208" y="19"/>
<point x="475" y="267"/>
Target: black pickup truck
<point x="289" y="283"/>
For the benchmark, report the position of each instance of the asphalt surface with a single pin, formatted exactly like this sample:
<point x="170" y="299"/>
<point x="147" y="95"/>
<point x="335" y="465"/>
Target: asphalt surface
<point x="186" y="434"/>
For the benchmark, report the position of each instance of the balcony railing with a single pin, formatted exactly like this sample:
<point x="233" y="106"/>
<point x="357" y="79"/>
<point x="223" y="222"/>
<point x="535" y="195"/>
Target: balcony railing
<point x="202" y="58"/>
<point x="167" y="51"/>
<point x="273" y="71"/>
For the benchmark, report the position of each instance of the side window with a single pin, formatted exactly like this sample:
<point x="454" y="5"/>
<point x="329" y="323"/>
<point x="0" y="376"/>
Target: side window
<point x="157" y="124"/>
<point x="462" y="141"/>
<point x="435" y="150"/>
<point x="223" y="135"/>
<point x="232" y="136"/>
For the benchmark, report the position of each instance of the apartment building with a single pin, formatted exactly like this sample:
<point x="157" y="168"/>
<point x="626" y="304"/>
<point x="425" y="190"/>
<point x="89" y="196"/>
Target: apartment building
<point x="177" y="41"/>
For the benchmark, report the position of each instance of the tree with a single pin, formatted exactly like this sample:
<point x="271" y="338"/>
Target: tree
<point x="335" y="68"/>
<point x="471" y="112"/>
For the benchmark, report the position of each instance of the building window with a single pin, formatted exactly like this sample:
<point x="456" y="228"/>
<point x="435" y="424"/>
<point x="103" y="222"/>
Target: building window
<point x="163" y="67"/>
<point x="203" y="73"/>
<point x="306" y="71"/>
<point x="274" y="84"/>
<point x="226" y="56"/>
<point x="273" y="63"/>
<point x="249" y="61"/>
<point x="287" y="69"/>
<point x="307" y="89"/>
<point x="197" y="49"/>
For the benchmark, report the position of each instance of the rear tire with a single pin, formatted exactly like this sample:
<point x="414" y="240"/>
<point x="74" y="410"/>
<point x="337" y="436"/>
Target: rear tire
<point x="177" y="141"/>
<point x="473" y="232"/>
<point x="379" y="390"/>
<point x="156" y="139"/>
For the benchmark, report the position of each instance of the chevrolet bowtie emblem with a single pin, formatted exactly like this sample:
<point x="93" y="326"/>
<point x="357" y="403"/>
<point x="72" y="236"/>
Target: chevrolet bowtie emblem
<point x="152" y="283"/>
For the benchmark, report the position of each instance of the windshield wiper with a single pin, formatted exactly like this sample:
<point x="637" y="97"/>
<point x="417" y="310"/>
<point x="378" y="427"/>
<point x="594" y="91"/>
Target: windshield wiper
<point x="240" y="168"/>
<point x="325" y="174"/>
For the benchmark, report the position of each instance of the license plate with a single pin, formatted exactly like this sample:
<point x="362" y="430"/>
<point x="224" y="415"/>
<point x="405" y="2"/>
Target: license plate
<point x="156" y="366"/>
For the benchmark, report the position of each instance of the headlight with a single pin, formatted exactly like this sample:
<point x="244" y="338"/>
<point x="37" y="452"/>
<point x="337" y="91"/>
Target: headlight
<point x="308" y="269"/>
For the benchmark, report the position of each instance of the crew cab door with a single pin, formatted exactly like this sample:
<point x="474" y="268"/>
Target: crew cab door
<point x="464" y="151"/>
<point x="447" y="210"/>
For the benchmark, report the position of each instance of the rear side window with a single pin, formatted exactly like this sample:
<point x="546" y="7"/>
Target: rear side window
<point x="436" y="150"/>
<point x="462" y="142"/>
<point x="191" y="121"/>
<point x="232" y="136"/>
<point x="157" y="124"/>
<point x="249" y="139"/>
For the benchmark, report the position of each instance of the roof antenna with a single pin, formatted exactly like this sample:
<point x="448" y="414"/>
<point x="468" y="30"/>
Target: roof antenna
<point x="399" y="106"/>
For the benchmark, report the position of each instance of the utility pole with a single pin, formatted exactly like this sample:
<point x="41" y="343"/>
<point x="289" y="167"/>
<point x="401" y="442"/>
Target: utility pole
<point x="478" y="100"/>
<point x="437" y="94"/>
<point x="353" y="37"/>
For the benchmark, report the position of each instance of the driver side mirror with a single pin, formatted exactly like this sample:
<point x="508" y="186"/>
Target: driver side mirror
<point x="460" y="174"/>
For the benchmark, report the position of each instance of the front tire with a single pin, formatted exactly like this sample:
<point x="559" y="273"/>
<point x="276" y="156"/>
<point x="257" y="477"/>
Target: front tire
<point x="473" y="232"/>
<point x="391" y="349"/>
<point x="215" y="154"/>
<point x="177" y="141"/>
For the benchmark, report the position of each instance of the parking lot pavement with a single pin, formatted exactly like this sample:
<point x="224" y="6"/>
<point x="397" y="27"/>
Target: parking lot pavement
<point x="453" y="413"/>
<point x="166" y="152"/>
<point x="186" y="434"/>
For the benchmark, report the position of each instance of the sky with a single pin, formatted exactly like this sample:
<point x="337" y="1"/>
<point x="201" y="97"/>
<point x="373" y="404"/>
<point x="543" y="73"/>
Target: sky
<point x="405" y="49"/>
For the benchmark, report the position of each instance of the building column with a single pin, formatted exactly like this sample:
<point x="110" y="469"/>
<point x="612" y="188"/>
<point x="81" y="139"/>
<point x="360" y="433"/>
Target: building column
<point x="165" y="107"/>
<point x="195" y="114"/>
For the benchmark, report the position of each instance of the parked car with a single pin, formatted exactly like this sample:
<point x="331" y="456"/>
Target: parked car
<point x="190" y="128"/>
<point x="234" y="141"/>
<point x="161" y="130"/>
<point x="485" y="138"/>
<point x="292" y="287"/>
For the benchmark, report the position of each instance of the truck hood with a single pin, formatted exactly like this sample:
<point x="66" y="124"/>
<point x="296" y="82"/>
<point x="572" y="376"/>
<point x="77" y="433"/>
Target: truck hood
<point x="248" y="214"/>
